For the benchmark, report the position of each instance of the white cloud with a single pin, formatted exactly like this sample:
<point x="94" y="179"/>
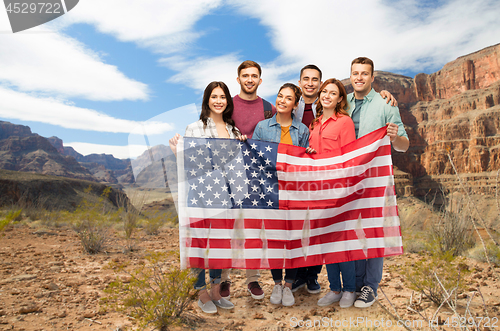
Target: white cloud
<point x="164" y="25"/>
<point x="120" y="152"/>
<point x="25" y="107"/>
<point x="396" y="35"/>
<point x="198" y="73"/>
<point x="53" y="63"/>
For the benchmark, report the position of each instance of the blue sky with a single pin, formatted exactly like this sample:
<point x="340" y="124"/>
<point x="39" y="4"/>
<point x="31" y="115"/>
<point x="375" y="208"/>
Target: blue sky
<point x="110" y="69"/>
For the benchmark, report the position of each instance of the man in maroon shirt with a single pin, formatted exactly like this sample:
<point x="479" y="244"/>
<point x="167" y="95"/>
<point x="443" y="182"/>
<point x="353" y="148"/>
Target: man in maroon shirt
<point x="249" y="109"/>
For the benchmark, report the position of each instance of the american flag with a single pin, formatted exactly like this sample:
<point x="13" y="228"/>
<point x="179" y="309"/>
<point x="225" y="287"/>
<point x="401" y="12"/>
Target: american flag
<point x="262" y="205"/>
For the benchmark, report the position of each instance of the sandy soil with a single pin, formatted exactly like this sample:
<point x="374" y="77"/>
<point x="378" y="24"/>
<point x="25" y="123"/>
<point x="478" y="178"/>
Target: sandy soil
<point x="48" y="283"/>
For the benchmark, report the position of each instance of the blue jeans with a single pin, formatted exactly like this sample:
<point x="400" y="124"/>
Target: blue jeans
<point x="348" y="276"/>
<point x="309" y="273"/>
<point x="369" y="273"/>
<point x="200" y="284"/>
<point x="290" y="275"/>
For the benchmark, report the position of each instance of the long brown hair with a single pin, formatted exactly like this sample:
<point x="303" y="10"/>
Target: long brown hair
<point x="340" y="108"/>
<point x="226" y="114"/>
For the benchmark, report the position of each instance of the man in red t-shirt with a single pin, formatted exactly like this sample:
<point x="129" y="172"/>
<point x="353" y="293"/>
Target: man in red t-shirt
<point x="249" y="109"/>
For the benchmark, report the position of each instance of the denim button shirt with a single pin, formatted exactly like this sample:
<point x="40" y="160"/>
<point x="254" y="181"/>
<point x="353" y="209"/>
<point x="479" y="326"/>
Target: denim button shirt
<point x="270" y="130"/>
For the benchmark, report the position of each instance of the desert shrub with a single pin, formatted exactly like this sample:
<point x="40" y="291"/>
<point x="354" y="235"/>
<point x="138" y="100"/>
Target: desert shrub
<point x="152" y="222"/>
<point x="452" y="231"/>
<point x="14" y="216"/>
<point x="34" y="214"/>
<point x="11" y="217"/>
<point x="157" y="294"/>
<point x="493" y="251"/>
<point x="130" y="222"/>
<point x="55" y="218"/>
<point x="414" y="243"/>
<point x="423" y="276"/>
<point x="92" y="221"/>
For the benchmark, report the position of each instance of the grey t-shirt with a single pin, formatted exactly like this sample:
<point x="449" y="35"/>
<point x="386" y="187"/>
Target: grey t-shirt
<point x="356" y="114"/>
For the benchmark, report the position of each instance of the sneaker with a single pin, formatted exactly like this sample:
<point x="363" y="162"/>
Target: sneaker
<point x="207" y="307"/>
<point x="347" y="300"/>
<point x="277" y="294"/>
<point x="313" y="286"/>
<point x="366" y="299"/>
<point x="287" y="299"/>
<point x="223" y="303"/>
<point x="298" y="284"/>
<point x="225" y="290"/>
<point x="329" y="298"/>
<point x="255" y="290"/>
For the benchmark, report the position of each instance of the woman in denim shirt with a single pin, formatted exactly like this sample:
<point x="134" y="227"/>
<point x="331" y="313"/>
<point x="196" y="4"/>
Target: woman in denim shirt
<point x="284" y="128"/>
<point x="284" y="121"/>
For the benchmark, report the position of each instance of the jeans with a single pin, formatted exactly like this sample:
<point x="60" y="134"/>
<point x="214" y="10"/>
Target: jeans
<point x="290" y="275"/>
<point x="253" y="275"/>
<point x="348" y="276"/>
<point x="214" y="277"/>
<point x="309" y="273"/>
<point x="369" y="273"/>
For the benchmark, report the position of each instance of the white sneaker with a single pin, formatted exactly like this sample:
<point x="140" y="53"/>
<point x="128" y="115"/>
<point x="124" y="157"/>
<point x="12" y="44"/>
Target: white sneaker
<point x="276" y="295"/>
<point x="288" y="299"/>
<point x="347" y="300"/>
<point x="329" y="298"/>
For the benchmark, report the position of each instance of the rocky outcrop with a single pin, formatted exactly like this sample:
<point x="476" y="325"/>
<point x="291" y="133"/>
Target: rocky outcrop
<point x="33" y="153"/>
<point x="8" y="129"/>
<point x="475" y="71"/>
<point x="105" y="167"/>
<point x="51" y="192"/>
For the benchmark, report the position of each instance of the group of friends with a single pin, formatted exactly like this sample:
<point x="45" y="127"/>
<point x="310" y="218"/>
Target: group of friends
<point x="320" y="116"/>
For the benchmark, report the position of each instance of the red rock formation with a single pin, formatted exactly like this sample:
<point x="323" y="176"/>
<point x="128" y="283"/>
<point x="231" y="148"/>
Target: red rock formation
<point x="478" y="70"/>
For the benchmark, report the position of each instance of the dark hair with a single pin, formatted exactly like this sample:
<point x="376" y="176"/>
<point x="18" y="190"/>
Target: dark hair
<point x="296" y="90"/>
<point x="311" y="66"/>
<point x="249" y="64"/>
<point x="226" y="114"/>
<point x="340" y="108"/>
<point x="362" y="60"/>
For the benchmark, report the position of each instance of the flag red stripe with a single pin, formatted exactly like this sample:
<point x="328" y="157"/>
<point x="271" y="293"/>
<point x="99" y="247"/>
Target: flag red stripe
<point x="336" y="257"/>
<point x="371" y="192"/>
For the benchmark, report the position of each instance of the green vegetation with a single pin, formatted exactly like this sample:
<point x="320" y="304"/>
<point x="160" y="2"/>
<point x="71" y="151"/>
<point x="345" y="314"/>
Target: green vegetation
<point x="452" y="232"/>
<point x="157" y="294"/>
<point x="92" y="221"/>
<point x="11" y="217"/>
<point x="436" y="275"/>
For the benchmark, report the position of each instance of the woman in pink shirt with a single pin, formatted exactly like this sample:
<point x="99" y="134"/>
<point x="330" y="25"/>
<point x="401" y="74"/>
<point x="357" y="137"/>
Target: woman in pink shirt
<point x="331" y="129"/>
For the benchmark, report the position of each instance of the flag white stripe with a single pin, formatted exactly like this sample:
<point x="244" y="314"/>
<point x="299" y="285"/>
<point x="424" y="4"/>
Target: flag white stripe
<point x="285" y="158"/>
<point x="335" y="193"/>
<point x="277" y="214"/>
<point x="282" y="234"/>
